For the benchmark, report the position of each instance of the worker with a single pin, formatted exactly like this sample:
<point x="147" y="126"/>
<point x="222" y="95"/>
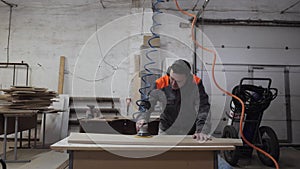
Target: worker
<point x="184" y="101"/>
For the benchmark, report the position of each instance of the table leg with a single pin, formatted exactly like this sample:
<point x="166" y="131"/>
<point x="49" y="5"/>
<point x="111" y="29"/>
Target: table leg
<point x="29" y="137"/>
<point x="5" y="138"/>
<point x="71" y="158"/>
<point x="216" y="163"/>
<point x="16" y="137"/>
<point x="44" y="128"/>
<point x="35" y="131"/>
<point x="16" y="144"/>
<point x="21" y="137"/>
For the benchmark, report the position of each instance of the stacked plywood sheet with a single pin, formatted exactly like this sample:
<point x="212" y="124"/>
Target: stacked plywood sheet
<point x="22" y="97"/>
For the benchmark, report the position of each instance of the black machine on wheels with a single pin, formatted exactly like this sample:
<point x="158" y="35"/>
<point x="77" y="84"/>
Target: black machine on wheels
<point x="256" y="99"/>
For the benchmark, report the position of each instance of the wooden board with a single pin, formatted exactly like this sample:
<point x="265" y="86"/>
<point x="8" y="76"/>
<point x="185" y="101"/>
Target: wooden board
<point x="4" y="111"/>
<point x="24" y="88"/>
<point x="15" y="113"/>
<point x="87" y="138"/>
<point x="22" y="97"/>
<point x="5" y="97"/>
<point x="61" y="75"/>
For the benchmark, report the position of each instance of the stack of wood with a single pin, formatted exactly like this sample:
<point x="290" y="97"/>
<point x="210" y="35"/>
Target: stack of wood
<point x="23" y="97"/>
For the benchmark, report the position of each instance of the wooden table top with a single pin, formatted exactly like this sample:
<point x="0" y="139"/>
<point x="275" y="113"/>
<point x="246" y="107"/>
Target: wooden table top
<point x="93" y="142"/>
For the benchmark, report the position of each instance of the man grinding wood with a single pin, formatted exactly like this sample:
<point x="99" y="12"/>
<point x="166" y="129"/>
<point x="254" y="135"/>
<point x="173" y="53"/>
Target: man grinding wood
<point x="184" y="101"/>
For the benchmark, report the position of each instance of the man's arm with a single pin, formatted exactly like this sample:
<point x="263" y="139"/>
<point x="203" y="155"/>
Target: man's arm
<point x="203" y="115"/>
<point x="154" y="96"/>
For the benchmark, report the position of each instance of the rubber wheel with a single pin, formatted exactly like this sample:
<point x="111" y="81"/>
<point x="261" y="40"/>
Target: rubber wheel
<point x="3" y="164"/>
<point x="231" y="156"/>
<point x="270" y="145"/>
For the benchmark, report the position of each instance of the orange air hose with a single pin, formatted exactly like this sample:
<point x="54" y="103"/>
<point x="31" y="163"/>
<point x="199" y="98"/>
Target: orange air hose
<point x="223" y="90"/>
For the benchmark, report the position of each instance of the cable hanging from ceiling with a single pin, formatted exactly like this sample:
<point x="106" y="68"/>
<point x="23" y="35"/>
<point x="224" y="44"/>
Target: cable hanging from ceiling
<point x="147" y="71"/>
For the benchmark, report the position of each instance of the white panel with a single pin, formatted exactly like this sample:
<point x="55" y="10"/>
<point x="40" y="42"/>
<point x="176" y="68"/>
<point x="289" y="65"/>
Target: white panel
<point x="296" y="131"/>
<point x="232" y="79"/>
<point x="295" y="81"/>
<point x="276" y="110"/>
<point x="255" y="37"/>
<point x="295" y="107"/>
<point x="56" y="126"/>
<point x="278" y="126"/>
<point x="259" y="56"/>
<point x="275" y="74"/>
<point x="294" y="75"/>
<point x="275" y="115"/>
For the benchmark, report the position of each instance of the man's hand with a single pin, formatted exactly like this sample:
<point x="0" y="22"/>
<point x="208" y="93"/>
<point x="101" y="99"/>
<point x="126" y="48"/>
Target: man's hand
<point x="201" y="137"/>
<point x="139" y="124"/>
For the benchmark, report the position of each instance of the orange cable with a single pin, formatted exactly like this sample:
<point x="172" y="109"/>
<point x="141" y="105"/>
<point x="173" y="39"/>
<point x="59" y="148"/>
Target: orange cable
<point x="223" y="90"/>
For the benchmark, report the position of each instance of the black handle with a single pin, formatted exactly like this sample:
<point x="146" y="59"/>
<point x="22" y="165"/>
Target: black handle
<point x="274" y="92"/>
<point x="257" y="79"/>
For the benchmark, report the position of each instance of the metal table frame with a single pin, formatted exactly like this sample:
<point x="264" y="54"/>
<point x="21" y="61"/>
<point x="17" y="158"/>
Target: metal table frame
<point x="16" y="114"/>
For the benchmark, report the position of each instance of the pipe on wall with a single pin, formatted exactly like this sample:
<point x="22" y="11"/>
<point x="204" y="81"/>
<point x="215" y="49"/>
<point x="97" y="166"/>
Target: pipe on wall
<point x="14" y="70"/>
<point x="249" y="22"/>
<point x="11" y="5"/>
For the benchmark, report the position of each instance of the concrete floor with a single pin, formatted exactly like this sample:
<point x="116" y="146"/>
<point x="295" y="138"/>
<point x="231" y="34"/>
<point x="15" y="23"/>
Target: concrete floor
<point x="39" y="158"/>
<point x="289" y="159"/>
<point x="46" y="158"/>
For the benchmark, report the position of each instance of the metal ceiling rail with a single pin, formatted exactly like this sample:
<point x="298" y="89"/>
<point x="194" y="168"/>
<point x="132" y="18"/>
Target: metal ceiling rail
<point x="249" y="22"/>
<point x="258" y="65"/>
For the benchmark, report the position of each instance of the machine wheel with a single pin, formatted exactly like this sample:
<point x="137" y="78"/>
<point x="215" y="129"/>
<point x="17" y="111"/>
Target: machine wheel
<point x="3" y="164"/>
<point x="269" y="144"/>
<point x="231" y="156"/>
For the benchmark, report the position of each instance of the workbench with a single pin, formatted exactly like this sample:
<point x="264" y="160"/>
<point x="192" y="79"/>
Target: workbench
<point x="111" y="151"/>
<point x="16" y="114"/>
<point x="25" y="123"/>
<point x="18" y="120"/>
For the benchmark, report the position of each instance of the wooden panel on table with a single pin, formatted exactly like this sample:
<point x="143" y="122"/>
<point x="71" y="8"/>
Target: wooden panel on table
<point x="86" y="138"/>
